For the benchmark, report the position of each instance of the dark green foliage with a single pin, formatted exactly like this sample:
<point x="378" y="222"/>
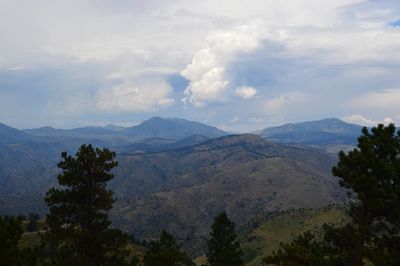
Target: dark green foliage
<point x="78" y="226"/>
<point x="32" y="222"/>
<point x="165" y="252"/>
<point x="21" y="217"/>
<point x="135" y="261"/>
<point x="304" y="250"/>
<point x="10" y="254"/>
<point x="10" y="233"/>
<point x="372" y="172"/>
<point x="336" y="248"/>
<point x="223" y="248"/>
<point x="340" y="244"/>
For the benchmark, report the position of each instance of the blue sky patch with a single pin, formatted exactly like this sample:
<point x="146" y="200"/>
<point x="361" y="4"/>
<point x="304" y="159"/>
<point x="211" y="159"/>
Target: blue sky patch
<point x="395" y="24"/>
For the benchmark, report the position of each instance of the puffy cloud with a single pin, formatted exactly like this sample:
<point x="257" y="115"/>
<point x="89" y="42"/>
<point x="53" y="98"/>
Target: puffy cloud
<point x="245" y="92"/>
<point x="361" y="120"/>
<point x="127" y="97"/>
<point x="331" y="50"/>
<point x="207" y="73"/>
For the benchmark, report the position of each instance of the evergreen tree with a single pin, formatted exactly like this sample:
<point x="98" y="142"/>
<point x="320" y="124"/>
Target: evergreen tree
<point x="372" y="173"/>
<point x="223" y="248"/>
<point x="32" y="222"/>
<point x="10" y="254"/>
<point x="165" y="252"/>
<point x="339" y="243"/>
<point x="79" y="230"/>
<point x="335" y="248"/>
<point x="10" y="233"/>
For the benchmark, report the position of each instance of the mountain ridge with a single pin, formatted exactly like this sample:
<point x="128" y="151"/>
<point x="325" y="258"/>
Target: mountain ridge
<point x="318" y="132"/>
<point x="245" y="175"/>
<point x="174" y="128"/>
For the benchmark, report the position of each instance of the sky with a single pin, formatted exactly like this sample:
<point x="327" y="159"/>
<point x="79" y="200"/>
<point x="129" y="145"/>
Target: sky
<point x="237" y="65"/>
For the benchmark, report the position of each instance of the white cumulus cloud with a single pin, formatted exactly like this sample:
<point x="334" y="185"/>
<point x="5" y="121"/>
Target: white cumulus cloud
<point x="246" y="92"/>
<point x="132" y="98"/>
<point x="208" y="80"/>
<point x="361" y="120"/>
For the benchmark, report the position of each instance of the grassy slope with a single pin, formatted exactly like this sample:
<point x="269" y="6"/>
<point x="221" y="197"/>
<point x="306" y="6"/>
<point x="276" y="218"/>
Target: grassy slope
<point x="32" y="239"/>
<point x="264" y="236"/>
<point x="267" y="236"/>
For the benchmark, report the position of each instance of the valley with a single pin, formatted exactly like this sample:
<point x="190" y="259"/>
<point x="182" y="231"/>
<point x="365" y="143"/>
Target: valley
<point x="180" y="179"/>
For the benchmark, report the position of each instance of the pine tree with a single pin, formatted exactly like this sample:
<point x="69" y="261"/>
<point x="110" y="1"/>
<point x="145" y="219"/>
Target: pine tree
<point x="79" y="230"/>
<point x="10" y="233"/>
<point x="10" y="254"/>
<point x="335" y="248"/>
<point x="372" y="173"/>
<point x="165" y="252"/>
<point x="223" y="248"/>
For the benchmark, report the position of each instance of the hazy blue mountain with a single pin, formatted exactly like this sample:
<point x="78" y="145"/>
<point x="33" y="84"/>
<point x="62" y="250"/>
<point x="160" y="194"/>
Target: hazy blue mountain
<point x="156" y="127"/>
<point x="83" y="132"/>
<point x="321" y="132"/>
<point x="28" y="165"/>
<point x="156" y="144"/>
<point x="113" y="127"/>
<point x="171" y="128"/>
<point x="10" y="135"/>
<point x="189" y="141"/>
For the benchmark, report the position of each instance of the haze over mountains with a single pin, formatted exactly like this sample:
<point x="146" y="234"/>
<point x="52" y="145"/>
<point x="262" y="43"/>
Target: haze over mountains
<point x="169" y="128"/>
<point x="178" y="174"/>
<point x="322" y="132"/>
<point x="326" y="131"/>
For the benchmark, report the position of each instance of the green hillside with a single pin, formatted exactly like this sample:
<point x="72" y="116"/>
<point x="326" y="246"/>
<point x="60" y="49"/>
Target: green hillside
<point x="182" y="190"/>
<point x="264" y="237"/>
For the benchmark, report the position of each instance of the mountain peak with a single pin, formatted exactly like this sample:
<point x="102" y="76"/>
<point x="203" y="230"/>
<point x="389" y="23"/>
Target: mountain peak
<point x="328" y="130"/>
<point x="173" y="128"/>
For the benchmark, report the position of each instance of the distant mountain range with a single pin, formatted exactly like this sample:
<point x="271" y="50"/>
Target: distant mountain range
<point x="9" y="135"/>
<point x="156" y="127"/>
<point x="28" y="157"/>
<point x="321" y="132"/>
<point x="178" y="174"/>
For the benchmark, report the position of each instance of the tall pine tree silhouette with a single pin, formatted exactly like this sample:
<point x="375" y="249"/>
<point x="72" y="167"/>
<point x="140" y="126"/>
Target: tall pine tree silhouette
<point x="223" y="248"/>
<point x="79" y="230"/>
<point x="372" y="173"/>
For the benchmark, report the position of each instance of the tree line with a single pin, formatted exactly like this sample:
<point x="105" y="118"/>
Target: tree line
<point x="78" y="230"/>
<point x="371" y="173"/>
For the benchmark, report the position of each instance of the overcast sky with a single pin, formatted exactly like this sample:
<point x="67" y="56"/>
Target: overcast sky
<point x="239" y="65"/>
